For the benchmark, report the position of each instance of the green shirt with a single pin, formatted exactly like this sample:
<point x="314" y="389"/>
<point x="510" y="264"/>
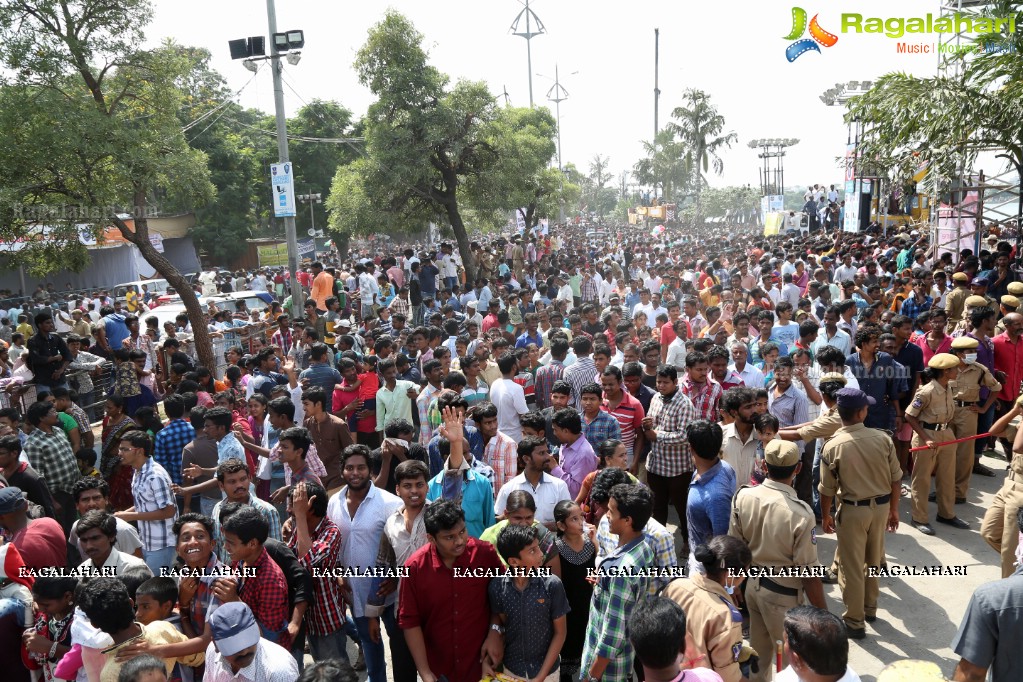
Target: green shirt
<point x="67" y="423"/>
<point x="543" y="536"/>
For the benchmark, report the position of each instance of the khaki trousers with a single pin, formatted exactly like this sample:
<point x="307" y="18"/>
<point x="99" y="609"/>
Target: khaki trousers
<point x="940" y="463"/>
<point x="861" y="546"/>
<point x="999" y="528"/>
<point x="767" y="611"/>
<point x="964" y="424"/>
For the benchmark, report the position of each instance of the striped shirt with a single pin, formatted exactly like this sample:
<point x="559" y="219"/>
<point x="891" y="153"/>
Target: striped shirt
<point x="629" y="414"/>
<point x="705" y="397"/>
<point x="151" y="490"/>
<point x="543" y="384"/>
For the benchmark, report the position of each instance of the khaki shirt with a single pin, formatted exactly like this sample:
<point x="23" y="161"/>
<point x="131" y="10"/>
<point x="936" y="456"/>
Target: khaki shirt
<point x="777" y="526"/>
<point x="971" y="378"/>
<point x="933" y="404"/>
<point x="859" y="464"/>
<point x="713" y="622"/>
<point x="955" y="304"/>
<point x="824" y="426"/>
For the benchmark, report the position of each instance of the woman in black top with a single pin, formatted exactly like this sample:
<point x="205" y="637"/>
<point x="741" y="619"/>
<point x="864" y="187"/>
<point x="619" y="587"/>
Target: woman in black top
<point x="578" y="553"/>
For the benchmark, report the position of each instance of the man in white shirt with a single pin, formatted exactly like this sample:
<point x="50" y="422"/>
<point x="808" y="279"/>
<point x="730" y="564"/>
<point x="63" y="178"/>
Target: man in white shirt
<point x="677" y="348"/>
<point x="790" y="292"/>
<point x="97" y="533"/>
<point x="644" y="306"/>
<point x="751" y="376"/>
<point x="535" y="479"/>
<point x="509" y="398"/>
<point x="831" y="335"/>
<point x="845" y="271"/>
<point x="564" y="290"/>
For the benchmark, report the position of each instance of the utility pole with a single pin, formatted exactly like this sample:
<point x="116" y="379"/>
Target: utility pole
<point x="528" y="33"/>
<point x="657" y="92"/>
<point x="297" y="310"/>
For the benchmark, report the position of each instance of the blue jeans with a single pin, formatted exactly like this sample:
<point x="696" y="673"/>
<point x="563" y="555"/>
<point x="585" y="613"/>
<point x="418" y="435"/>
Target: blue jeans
<point x="334" y="645"/>
<point x="207" y="504"/>
<point x="984" y="422"/>
<point x="159" y="558"/>
<point x="376" y="669"/>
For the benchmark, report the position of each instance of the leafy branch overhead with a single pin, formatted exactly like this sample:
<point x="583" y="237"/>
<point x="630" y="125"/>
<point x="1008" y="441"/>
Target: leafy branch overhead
<point x="435" y="151"/>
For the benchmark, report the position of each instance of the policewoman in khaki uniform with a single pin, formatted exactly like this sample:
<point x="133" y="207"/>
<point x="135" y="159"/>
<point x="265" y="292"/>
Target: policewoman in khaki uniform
<point x="930" y="415"/>
<point x="968" y="406"/>
<point x="859" y="467"/>
<point x="712" y="620"/>
<point x="779" y="529"/>
<point x="999" y="528"/>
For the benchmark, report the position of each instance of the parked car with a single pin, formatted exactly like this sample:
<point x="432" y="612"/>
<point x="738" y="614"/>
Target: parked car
<point x="157" y="287"/>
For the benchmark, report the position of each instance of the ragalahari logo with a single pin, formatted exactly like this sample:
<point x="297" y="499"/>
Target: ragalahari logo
<point x="817" y="35"/>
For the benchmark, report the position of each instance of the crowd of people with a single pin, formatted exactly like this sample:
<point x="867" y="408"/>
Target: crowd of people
<point x="561" y="461"/>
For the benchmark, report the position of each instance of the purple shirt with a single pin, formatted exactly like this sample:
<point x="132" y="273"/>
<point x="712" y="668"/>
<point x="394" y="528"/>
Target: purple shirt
<point x="577" y="460"/>
<point x="986" y="357"/>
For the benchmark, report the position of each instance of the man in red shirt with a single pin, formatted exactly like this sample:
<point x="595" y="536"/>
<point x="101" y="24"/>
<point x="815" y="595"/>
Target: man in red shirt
<point x="629" y="412"/>
<point x="1009" y="366"/>
<point x="444" y="608"/>
<point x="41" y="542"/>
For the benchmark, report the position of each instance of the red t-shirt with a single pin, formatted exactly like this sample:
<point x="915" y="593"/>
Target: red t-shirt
<point x="454" y="612"/>
<point x="42" y="543"/>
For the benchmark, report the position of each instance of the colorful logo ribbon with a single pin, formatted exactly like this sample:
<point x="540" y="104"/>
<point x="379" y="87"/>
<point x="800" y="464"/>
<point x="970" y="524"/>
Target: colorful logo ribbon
<point x="817" y="35"/>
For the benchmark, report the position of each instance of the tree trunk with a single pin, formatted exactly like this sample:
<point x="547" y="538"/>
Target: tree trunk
<point x="342" y="244"/>
<point x="140" y="238"/>
<point x="461" y="237"/>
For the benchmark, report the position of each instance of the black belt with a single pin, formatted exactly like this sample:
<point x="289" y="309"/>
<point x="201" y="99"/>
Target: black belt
<point x="883" y="499"/>
<point x="965" y="403"/>
<point x="934" y="427"/>
<point x="769" y="584"/>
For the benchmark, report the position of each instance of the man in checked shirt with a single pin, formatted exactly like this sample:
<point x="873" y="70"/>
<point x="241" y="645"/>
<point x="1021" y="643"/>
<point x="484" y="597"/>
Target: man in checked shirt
<point x="670" y="463"/>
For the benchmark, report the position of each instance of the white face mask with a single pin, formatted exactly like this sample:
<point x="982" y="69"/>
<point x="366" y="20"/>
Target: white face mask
<point x="971" y="357"/>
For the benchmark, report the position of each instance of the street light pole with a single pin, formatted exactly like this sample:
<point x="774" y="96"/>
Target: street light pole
<point x="282" y="152"/>
<point x="530" y="17"/>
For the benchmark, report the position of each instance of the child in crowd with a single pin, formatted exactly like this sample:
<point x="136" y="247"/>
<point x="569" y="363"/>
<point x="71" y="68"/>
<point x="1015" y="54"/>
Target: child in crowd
<point x="767" y="426"/>
<point x="154" y="601"/>
<point x="49" y="638"/>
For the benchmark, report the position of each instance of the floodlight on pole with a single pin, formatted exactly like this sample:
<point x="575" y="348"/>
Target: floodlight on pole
<point x="533" y="27"/>
<point x="251" y="50"/>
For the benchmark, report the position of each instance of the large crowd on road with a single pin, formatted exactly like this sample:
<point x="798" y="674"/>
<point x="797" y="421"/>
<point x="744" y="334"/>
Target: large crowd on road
<point x="588" y="454"/>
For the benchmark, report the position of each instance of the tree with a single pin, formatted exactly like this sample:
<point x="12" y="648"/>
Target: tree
<point x="698" y="126"/>
<point x="943" y="122"/>
<point x="317" y="152"/>
<point x="520" y="179"/>
<point x="668" y="163"/>
<point x="424" y="140"/>
<point x="599" y="173"/>
<point x="90" y="120"/>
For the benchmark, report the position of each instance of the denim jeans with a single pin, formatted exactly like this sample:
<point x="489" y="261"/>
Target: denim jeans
<point x="334" y="645"/>
<point x="207" y="504"/>
<point x="159" y="558"/>
<point x="984" y="422"/>
<point x="376" y="669"/>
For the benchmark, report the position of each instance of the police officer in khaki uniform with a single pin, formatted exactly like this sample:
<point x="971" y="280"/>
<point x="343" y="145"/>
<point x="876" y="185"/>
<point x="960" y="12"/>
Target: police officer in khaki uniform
<point x="712" y="620"/>
<point x="930" y="415"/>
<point x="970" y="304"/>
<point x="954" y="302"/>
<point x="1007" y="304"/>
<point x="779" y="529"/>
<point x="972" y="375"/>
<point x="859" y="468"/>
<point x="999" y="527"/>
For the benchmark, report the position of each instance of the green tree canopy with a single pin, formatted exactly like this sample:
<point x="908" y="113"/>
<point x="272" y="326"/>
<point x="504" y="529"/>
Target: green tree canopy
<point x="91" y="122"/>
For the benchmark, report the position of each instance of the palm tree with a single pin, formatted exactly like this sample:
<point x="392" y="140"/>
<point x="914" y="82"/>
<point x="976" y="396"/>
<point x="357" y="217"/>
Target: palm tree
<point x="698" y="125"/>
<point x="667" y="163"/>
